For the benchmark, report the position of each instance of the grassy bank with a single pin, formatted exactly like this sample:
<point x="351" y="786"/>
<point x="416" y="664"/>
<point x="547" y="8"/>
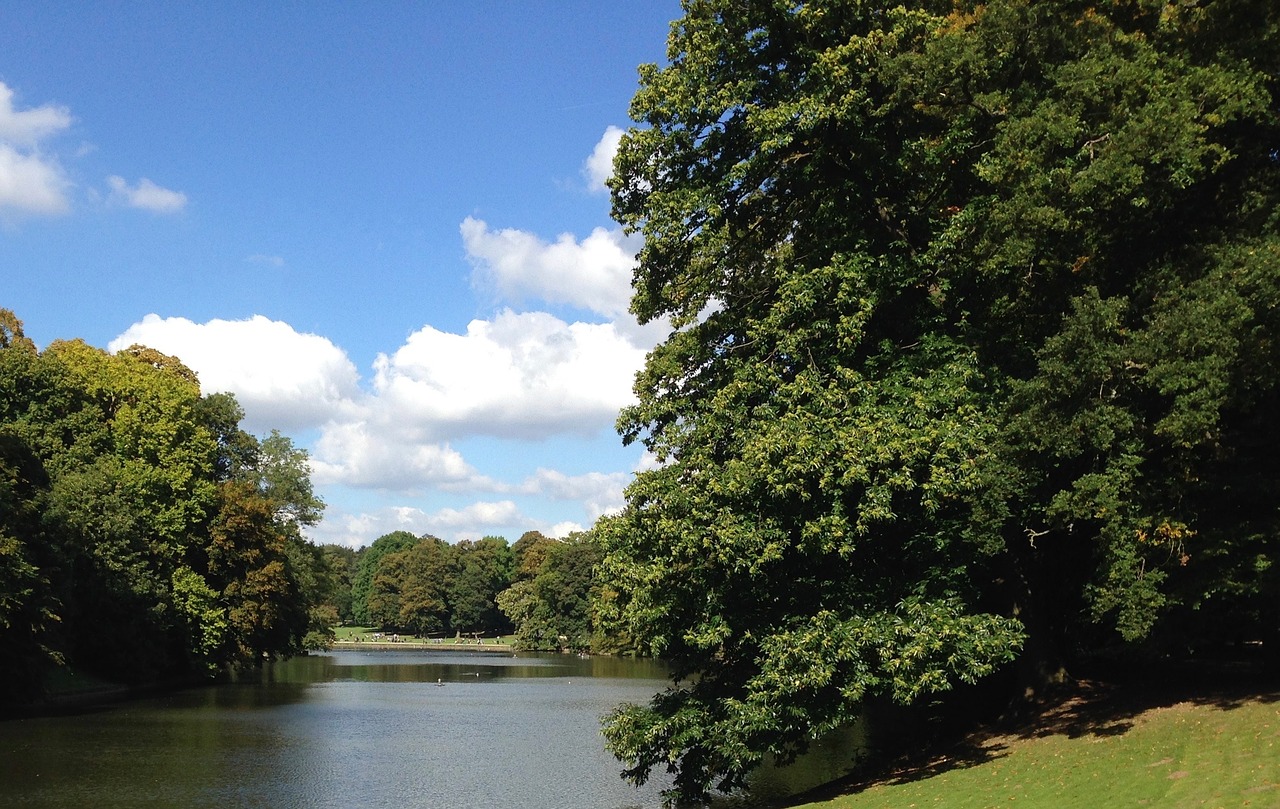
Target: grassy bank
<point x="1098" y="748"/>
<point x="365" y="634"/>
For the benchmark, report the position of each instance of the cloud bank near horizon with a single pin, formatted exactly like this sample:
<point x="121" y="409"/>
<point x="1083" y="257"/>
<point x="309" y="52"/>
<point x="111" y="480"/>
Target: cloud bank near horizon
<point x="517" y="375"/>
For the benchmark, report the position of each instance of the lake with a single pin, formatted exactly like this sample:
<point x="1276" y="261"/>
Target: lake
<point x="367" y="729"/>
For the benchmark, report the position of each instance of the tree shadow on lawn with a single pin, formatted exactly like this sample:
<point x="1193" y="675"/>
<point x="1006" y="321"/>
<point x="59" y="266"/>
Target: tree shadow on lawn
<point x="1087" y="707"/>
<point x="1110" y="705"/>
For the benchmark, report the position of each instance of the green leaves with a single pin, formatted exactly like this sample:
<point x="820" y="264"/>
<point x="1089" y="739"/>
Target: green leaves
<point x="918" y="648"/>
<point x="142" y="533"/>
<point x="974" y="305"/>
<point x="554" y="609"/>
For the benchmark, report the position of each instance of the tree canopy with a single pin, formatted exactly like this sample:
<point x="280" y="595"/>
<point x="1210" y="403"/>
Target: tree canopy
<point x="142" y="532"/>
<point x="552" y="601"/>
<point x="973" y="356"/>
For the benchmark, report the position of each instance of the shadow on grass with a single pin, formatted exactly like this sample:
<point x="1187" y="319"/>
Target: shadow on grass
<point x="1110" y="706"/>
<point x="959" y="756"/>
<point x="1094" y="707"/>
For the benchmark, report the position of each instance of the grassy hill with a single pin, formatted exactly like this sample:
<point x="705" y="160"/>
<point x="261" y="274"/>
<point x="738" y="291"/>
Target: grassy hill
<point x="1100" y="747"/>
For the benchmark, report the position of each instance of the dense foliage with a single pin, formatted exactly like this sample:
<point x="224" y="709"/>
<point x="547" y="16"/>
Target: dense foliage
<point x="974" y="355"/>
<point x="551" y="602"/>
<point x="541" y="590"/>
<point x="143" y="534"/>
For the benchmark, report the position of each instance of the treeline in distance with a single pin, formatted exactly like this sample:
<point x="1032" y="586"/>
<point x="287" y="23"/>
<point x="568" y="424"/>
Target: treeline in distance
<point x="145" y="535"/>
<point x="541" y="589"/>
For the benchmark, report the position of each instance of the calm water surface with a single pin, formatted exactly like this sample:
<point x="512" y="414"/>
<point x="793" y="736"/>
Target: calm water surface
<point x="360" y="729"/>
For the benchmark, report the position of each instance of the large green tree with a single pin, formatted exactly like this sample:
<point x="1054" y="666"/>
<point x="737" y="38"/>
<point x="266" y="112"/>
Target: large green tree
<point x="973" y="355"/>
<point x="367" y="567"/>
<point x="410" y="587"/>
<point x="131" y="493"/>
<point x="483" y="569"/>
<point x="551" y="606"/>
<point x="142" y="532"/>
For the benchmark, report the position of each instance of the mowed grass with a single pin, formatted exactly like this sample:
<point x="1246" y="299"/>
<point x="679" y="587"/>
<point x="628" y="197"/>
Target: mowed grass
<point x="1215" y="752"/>
<point x="344" y="634"/>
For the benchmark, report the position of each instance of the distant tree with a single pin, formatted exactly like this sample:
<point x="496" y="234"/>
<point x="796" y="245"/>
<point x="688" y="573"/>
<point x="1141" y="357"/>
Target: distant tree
<point x="528" y="553"/>
<point x="340" y="561"/>
<point x="367" y="565"/>
<point x="410" y="587"/>
<point x="553" y="610"/>
<point x="317" y="586"/>
<point x="528" y="615"/>
<point x="483" y="569"/>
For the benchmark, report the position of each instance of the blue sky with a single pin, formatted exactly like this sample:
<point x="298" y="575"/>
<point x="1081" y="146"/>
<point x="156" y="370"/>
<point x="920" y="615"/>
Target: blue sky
<point x="381" y="225"/>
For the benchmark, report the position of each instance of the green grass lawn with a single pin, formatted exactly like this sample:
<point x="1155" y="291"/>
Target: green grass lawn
<point x="1218" y="752"/>
<point x="365" y="633"/>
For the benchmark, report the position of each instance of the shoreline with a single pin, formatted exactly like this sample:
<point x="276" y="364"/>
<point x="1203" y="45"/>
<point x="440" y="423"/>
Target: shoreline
<point x="419" y="646"/>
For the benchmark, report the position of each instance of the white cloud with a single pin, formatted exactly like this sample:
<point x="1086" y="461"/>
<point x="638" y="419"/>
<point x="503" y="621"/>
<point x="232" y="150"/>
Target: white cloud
<point x="517" y="376"/>
<point x="599" y="493"/>
<point x="598" y="168"/>
<point x="522" y="376"/>
<point x="28" y="127"/>
<point x="284" y="379"/>
<point x="386" y="455"/>
<point x="146" y="195"/>
<point x="473" y="521"/>
<point x="502" y="512"/>
<point x="528" y="375"/>
<point x="594" y="274"/>
<point x="30" y="182"/>
<point x="563" y="529"/>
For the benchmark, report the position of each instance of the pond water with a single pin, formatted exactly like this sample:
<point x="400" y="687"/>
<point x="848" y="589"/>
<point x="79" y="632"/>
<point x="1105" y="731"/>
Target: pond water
<point x="367" y="729"/>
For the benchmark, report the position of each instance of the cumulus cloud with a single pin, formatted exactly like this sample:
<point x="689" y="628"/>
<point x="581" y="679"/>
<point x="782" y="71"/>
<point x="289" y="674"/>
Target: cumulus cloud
<point x="33" y="182"/>
<point x="527" y="375"/>
<point x="385" y="454"/>
<point x="283" y="378"/>
<point x="598" y="168"/>
<point x="472" y="521"/>
<point x="146" y="195"/>
<point x="30" y="182"/>
<point x="27" y="128"/>
<point x="599" y="493"/>
<point x="518" y="376"/>
<point x="563" y="529"/>
<point x="522" y="376"/>
<point x="593" y="274"/>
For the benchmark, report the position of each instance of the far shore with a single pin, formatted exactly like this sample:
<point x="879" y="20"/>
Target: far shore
<point x="419" y="645"/>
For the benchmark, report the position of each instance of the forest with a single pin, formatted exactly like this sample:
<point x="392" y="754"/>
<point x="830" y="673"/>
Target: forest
<point x="146" y="537"/>
<point x="539" y="590"/>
